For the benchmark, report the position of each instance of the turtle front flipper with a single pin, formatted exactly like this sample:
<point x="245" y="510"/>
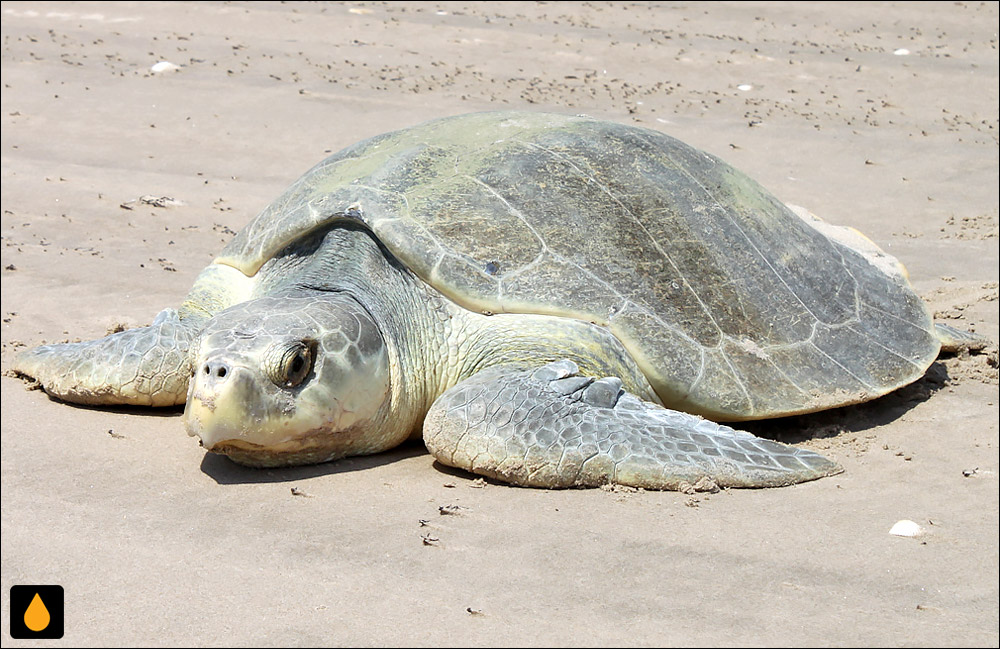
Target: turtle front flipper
<point x="147" y="366"/>
<point x="554" y="428"/>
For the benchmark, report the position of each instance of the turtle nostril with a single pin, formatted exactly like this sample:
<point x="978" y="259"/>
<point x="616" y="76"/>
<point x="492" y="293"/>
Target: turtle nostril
<point x="215" y="369"/>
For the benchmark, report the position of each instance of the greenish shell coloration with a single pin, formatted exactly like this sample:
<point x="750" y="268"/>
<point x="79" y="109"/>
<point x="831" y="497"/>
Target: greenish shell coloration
<point x="547" y="300"/>
<point x="733" y="307"/>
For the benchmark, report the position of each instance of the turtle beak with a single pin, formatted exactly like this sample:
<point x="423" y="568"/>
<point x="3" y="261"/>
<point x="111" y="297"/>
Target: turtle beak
<point x="225" y="404"/>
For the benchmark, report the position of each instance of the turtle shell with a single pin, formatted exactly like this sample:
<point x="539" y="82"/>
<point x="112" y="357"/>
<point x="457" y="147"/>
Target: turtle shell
<point x="733" y="306"/>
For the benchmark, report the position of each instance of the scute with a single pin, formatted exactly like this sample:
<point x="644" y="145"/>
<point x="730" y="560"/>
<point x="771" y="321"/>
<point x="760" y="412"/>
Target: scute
<point x="733" y="306"/>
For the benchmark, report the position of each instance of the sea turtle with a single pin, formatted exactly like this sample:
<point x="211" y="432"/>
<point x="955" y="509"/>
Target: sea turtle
<point x="551" y="300"/>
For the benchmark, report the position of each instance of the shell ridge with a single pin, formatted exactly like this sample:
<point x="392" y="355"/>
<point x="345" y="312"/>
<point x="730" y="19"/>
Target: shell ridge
<point x="848" y="372"/>
<point x="901" y="321"/>
<point x="767" y="358"/>
<point x="760" y="255"/>
<point x="839" y="249"/>
<point x="738" y="378"/>
<point x="656" y="244"/>
<point x="510" y="208"/>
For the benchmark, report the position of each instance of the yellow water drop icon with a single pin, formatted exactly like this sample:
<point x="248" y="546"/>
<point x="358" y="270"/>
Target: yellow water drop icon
<point x="37" y="616"/>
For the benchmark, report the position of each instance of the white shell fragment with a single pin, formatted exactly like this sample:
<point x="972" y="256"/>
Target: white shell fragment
<point x="744" y="87"/>
<point x="164" y="66"/>
<point x="906" y="528"/>
<point x="902" y="52"/>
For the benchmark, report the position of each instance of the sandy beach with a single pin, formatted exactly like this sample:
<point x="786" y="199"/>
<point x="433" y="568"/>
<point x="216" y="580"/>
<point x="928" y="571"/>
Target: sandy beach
<point x="138" y="137"/>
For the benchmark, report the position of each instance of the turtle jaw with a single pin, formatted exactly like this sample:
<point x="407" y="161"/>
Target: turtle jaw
<point x="261" y="439"/>
<point x="261" y="427"/>
<point x="311" y="448"/>
<point x="238" y="410"/>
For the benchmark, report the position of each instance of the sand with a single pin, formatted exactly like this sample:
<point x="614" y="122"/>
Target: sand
<point x="879" y="116"/>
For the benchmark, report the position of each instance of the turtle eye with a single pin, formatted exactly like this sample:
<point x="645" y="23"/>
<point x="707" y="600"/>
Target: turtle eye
<point x="294" y="365"/>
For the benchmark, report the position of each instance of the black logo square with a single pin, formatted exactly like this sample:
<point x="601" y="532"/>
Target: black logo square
<point x="36" y="612"/>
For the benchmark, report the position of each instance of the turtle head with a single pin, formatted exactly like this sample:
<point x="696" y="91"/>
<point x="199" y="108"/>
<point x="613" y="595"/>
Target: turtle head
<point x="290" y="380"/>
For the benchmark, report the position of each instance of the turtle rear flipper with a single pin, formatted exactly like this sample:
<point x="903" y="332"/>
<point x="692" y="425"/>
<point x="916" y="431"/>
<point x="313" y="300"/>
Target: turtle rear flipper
<point x="147" y="366"/>
<point x="955" y="340"/>
<point x="554" y="428"/>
